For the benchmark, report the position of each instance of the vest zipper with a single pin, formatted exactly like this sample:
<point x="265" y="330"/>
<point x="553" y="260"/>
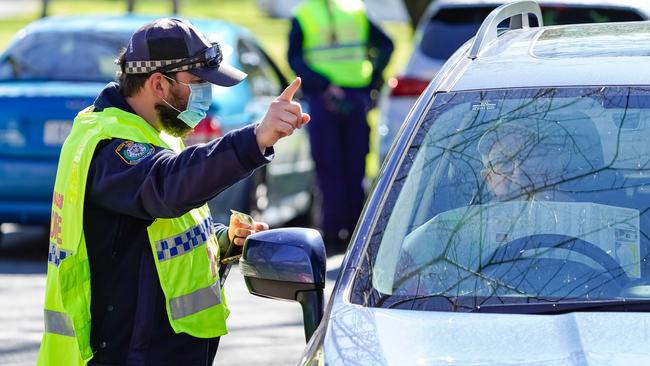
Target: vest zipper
<point x="333" y="37"/>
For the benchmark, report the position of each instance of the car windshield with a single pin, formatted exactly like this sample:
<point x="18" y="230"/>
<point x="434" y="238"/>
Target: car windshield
<point x="63" y="56"/>
<point x="513" y="197"/>
<point x="450" y="27"/>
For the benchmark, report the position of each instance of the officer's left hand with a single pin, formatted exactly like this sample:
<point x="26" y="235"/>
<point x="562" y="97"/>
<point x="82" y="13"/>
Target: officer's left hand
<point x="238" y="231"/>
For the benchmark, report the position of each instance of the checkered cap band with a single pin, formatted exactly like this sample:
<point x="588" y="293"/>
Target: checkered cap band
<point x="145" y="67"/>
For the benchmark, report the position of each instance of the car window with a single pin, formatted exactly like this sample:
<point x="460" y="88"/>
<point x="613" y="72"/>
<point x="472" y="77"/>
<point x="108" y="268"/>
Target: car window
<point x="575" y="15"/>
<point x="450" y="27"/>
<point x="510" y="196"/>
<point x="63" y="56"/>
<point x="262" y="75"/>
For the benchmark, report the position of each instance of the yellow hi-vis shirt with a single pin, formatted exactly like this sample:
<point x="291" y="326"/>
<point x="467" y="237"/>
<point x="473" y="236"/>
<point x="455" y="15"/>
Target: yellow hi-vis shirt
<point x="185" y="249"/>
<point x="335" y="40"/>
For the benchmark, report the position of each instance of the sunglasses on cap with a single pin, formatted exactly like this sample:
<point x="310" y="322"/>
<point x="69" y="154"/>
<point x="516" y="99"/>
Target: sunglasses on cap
<point x="211" y="57"/>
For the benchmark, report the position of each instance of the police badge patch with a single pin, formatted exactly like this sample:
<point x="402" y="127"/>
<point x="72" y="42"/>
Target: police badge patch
<point x="134" y="152"/>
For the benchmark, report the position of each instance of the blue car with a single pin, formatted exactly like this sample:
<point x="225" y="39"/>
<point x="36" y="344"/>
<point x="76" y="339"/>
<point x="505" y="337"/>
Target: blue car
<point x="510" y="223"/>
<point x="56" y="66"/>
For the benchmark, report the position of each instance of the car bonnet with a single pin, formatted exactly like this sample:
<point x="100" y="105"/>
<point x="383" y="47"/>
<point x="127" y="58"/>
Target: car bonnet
<point x="360" y="335"/>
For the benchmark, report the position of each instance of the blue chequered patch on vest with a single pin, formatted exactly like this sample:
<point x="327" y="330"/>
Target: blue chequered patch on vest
<point x="184" y="242"/>
<point x="56" y="254"/>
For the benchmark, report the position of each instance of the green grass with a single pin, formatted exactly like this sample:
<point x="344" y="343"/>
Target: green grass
<point x="271" y="32"/>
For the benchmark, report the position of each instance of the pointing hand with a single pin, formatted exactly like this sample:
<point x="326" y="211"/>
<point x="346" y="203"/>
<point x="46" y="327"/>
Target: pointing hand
<point x="283" y="116"/>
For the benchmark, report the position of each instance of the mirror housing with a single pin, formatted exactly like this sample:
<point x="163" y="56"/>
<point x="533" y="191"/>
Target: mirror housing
<point x="287" y="264"/>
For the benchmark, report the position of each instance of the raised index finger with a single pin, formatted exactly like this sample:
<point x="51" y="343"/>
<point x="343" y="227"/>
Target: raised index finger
<point x="288" y="93"/>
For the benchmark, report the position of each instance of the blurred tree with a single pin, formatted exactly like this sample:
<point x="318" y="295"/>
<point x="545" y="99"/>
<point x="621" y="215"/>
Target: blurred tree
<point x="131" y="6"/>
<point x="44" y="9"/>
<point x="415" y="8"/>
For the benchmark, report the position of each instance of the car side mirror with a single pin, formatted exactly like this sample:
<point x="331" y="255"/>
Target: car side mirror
<point x="287" y="264"/>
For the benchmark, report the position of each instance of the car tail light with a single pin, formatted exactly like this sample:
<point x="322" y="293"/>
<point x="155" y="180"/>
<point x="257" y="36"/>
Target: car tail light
<point x="406" y="87"/>
<point x="208" y="129"/>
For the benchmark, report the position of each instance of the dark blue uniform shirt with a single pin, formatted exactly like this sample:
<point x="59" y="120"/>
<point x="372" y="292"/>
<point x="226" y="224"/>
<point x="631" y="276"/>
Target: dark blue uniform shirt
<point x="129" y="319"/>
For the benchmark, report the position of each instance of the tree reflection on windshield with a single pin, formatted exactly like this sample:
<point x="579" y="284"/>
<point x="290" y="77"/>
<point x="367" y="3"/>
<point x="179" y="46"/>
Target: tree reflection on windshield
<point x="512" y="196"/>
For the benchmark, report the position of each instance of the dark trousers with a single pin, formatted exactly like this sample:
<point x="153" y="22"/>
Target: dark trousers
<point x="204" y="359"/>
<point x="339" y="137"/>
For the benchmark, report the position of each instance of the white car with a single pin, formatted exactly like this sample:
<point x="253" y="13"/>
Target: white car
<point x="447" y="24"/>
<point x="510" y="223"/>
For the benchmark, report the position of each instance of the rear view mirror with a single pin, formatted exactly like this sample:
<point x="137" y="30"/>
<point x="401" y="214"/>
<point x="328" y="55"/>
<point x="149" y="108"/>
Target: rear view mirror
<point x="287" y="264"/>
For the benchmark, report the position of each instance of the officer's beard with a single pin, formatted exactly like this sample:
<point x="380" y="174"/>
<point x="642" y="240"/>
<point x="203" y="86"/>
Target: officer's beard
<point x="168" y="116"/>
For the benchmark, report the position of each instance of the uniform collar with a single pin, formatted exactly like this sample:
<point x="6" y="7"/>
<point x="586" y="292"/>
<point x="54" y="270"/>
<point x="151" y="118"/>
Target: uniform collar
<point x="110" y="96"/>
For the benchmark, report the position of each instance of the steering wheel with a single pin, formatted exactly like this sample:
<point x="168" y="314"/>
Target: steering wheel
<point x="514" y="250"/>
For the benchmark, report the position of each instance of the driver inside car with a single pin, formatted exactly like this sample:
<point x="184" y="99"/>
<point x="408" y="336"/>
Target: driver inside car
<point x="524" y="160"/>
<point x="524" y="164"/>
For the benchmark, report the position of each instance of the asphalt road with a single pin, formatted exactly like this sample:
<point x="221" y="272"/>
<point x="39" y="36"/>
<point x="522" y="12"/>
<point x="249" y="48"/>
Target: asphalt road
<point x="263" y="332"/>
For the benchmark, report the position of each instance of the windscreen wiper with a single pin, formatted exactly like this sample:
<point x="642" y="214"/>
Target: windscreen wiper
<point x="634" y="305"/>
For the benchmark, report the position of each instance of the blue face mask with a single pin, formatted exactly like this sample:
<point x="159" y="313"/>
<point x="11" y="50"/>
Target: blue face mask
<point x="197" y="105"/>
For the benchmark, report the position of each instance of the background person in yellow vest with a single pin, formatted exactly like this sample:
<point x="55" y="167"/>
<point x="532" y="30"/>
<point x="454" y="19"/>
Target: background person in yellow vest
<point x="340" y="55"/>
<point x="132" y="267"/>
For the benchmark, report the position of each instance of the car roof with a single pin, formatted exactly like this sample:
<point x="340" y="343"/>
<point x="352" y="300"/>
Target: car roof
<point x="636" y="4"/>
<point x="567" y="55"/>
<point x="640" y="6"/>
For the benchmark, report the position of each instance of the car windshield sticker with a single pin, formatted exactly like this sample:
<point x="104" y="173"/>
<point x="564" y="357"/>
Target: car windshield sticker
<point x="133" y="152"/>
<point x="483" y="106"/>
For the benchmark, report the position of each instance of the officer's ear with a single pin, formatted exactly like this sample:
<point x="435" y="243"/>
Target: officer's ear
<point x="159" y="85"/>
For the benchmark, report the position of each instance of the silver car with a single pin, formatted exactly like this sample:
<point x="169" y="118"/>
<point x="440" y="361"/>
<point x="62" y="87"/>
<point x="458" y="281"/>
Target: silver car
<point x="447" y="24"/>
<point x="510" y="222"/>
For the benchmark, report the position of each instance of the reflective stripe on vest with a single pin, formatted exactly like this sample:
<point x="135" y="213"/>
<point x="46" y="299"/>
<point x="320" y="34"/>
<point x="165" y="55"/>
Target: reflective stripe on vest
<point x="335" y="40"/>
<point x="336" y="53"/>
<point x="58" y="323"/>
<point x="198" y="300"/>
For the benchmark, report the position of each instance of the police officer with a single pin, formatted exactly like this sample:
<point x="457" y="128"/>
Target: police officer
<point x="132" y="273"/>
<point x="340" y="55"/>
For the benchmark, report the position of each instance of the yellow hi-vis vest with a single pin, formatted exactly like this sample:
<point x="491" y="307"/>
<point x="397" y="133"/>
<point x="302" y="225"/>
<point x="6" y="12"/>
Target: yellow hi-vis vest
<point x="335" y="41"/>
<point x="185" y="249"/>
